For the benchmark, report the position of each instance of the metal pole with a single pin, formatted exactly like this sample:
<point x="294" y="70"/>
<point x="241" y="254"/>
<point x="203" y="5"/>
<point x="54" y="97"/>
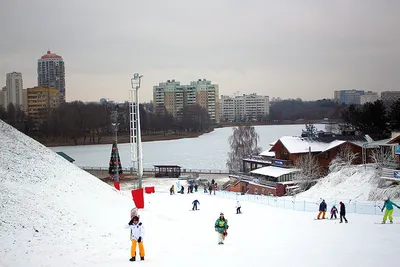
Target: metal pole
<point x="139" y="138"/>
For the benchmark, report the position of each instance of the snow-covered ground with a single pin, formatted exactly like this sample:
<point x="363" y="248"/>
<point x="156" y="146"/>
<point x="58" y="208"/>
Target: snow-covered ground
<point x="54" y="214"/>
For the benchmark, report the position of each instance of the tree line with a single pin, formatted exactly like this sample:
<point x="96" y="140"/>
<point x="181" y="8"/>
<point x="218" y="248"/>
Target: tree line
<point x="375" y="119"/>
<point x="93" y="121"/>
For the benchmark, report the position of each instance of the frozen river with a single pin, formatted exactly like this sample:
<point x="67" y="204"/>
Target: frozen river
<point x="208" y="151"/>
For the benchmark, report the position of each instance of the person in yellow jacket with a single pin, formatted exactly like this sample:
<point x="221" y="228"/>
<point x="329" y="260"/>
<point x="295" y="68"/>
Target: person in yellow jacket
<point x="137" y="233"/>
<point x="388" y="204"/>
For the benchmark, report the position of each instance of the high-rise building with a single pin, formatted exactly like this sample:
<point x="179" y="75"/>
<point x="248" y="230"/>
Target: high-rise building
<point x="3" y="97"/>
<point x="41" y="100"/>
<point x="368" y="97"/>
<point x="173" y="97"/>
<point x="250" y="107"/>
<point x="14" y="89"/>
<point x="348" y="97"/>
<point x="51" y="73"/>
<point x="390" y="96"/>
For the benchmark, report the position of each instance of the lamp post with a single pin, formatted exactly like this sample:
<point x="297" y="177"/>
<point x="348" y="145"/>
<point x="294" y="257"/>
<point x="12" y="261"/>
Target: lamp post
<point x="135" y="133"/>
<point x="116" y="124"/>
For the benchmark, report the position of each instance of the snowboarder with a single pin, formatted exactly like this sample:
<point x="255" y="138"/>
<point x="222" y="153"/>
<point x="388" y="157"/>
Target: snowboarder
<point x="238" y="206"/>
<point x="195" y="202"/>
<point x="221" y="225"/>
<point x="333" y="212"/>
<point x="342" y="212"/>
<point x="388" y="204"/>
<point x="322" y="210"/>
<point x="137" y="233"/>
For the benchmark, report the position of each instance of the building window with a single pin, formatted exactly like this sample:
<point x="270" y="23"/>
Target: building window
<point x="327" y="154"/>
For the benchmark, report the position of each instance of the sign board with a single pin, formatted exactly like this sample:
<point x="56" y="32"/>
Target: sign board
<point x="397" y="151"/>
<point x="396" y="174"/>
<point x="278" y="162"/>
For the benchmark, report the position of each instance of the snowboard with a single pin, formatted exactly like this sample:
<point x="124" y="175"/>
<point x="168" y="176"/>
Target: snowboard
<point x="386" y="223"/>
<point x="193" y="210"/>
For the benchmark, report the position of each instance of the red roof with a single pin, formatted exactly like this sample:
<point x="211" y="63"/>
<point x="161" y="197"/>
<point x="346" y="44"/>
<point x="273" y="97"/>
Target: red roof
<point x="50" y="55"/>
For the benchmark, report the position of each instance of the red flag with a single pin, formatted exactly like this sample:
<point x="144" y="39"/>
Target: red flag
<point x="116" y="185"/>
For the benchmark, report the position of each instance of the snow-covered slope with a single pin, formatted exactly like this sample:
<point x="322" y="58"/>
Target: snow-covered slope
<point x="356" y="182"/>
<point x="50" y="210"/>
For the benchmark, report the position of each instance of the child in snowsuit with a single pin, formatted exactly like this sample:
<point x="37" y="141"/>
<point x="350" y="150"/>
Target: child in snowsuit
<point x="221" y="225"/>
<point x="388" y="204"/>
<point x="137" y="233"/>
<point x="172" y="190"/>
<point x="333" y="212"/>
<point x="195" y="204"/>
<point x="342" y="212"/>
<point x="322" y="210"/>
<point x="238" y="206"/>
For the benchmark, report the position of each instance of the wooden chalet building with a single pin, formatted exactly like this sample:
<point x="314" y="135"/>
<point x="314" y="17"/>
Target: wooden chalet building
<point x="274" y="169"/>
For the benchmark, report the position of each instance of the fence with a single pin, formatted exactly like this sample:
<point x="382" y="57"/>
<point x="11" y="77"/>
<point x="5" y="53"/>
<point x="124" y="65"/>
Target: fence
<point x="127" y="170"/>
<point x="304" y="204"/>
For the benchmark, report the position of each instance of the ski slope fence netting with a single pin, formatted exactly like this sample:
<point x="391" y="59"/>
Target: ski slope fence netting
<point x="310" y="205"/>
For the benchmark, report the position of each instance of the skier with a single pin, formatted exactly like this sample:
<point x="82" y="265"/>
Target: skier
<point x="238" y="206"/>
<point x="195" y="202"/>
<point x="221" y="225"/>
<point x="342" y="212"/>
<point x="322" y="210"/>
<point x="388" y="204"/>
<point x="137" y="233"/>
<point x="333" y="212"/>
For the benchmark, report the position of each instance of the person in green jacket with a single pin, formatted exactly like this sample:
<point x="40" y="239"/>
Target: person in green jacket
<point x="388" y="204"/>
<point x="221" y="225"/>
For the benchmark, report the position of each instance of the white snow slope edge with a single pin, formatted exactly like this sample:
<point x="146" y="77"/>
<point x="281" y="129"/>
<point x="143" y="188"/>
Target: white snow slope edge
<point x="50" y="209"/>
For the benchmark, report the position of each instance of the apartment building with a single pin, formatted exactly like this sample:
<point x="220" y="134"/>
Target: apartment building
<point x="51" y="73"/>
<point x="41" y="100"/>
<point x="171" y="96"/>
<point x="368" y="97"/>
<point x="390" y="96"/>
<point x="348" y="97"/>
<point x="251" y="107"/>
<point x="3" y="97"/>
<point x="14" y="89"/>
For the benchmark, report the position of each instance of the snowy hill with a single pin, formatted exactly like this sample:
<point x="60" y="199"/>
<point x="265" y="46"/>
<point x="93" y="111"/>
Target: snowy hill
<point x="51" y="210"/>
<point x="356" y="182"/>
<point x="55" y="214"/>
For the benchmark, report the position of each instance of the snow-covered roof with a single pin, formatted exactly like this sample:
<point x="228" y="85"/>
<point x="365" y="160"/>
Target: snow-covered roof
<point x="333" y="144"/>
<point x="296" y="144"/>
<point x="268" y="153"/>
<point x="273" y="171"/>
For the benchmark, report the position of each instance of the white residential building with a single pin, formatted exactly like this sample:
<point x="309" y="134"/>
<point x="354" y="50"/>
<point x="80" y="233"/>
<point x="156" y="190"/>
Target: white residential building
<point x="368" y="97"/>
<point x="14" y="89"/>
<point x="250" y="107"/>
<point x="348" y="97"/>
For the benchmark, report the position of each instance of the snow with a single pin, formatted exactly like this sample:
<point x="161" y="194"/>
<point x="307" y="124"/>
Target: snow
<point x="333" y="144"/>
<point x="267" y="153"/>
<point x="55" y="214"/>
<point x="273" y="171"/>
<point x="295" y="144"/>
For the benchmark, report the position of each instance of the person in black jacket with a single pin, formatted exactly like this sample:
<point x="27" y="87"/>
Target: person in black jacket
<point x="342" y="212"/>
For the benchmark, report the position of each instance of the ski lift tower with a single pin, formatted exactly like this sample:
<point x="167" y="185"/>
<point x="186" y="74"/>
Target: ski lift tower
<point x="135" y="135"/>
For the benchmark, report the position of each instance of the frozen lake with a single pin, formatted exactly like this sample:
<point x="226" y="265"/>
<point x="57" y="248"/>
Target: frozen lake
<point x="208" y="151"/>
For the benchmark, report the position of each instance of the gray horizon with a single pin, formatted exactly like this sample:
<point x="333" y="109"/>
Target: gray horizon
<point x="287" y="49"/>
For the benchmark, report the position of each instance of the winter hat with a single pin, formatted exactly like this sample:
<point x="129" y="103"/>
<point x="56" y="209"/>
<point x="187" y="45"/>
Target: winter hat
<point x="221" y="214"/>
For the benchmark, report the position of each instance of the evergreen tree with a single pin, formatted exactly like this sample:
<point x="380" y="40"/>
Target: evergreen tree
<point x="112" y="169"/>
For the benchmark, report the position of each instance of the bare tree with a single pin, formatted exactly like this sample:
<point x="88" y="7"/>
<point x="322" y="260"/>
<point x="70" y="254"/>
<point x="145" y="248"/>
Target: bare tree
<point x="243" y="143"/>
<point x="383" y="157"/>
<point x="309" y="171"/>
<point x="344" y="158"/>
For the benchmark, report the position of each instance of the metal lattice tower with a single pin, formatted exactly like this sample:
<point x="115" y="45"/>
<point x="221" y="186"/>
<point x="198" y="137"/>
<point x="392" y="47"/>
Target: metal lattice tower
<point x="135" y="134"/>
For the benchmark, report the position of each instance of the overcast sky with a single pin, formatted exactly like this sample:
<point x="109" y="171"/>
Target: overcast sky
<point x="286" y="49"/>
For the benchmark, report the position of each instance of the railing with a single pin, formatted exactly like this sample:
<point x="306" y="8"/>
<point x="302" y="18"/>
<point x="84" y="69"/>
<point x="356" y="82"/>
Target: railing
<point x="309" y="205"/>
<point x="126" y="170"/>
